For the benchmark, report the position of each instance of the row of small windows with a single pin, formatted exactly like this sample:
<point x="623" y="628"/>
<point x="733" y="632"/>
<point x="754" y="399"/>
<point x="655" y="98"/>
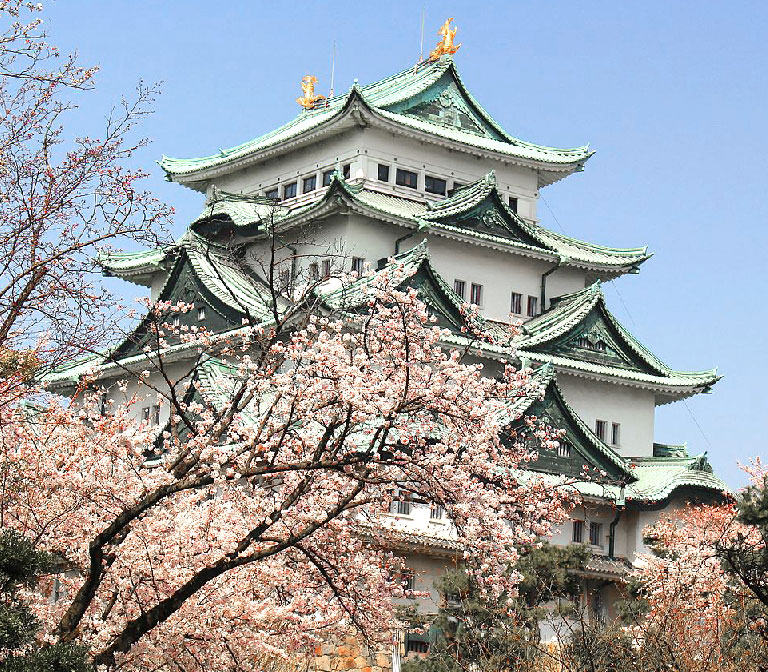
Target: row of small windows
<point x="321" y="270"/>
<point x="601" y="429"/>
<point x="410" y="179"/>
<point x="595" y="533"/>
<point x="308" y="184"/>
<point x="176" y="319"/>
<point x="584" y="342"/>
<point x="403" y="507"/>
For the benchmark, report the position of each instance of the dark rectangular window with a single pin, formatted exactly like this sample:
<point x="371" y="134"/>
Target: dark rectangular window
<point x="309" y="184"/>
<point x="358" y="264"/>
<point x="326" y="268"/>
<point x="200" y="313"/>
<point x="595" y="534"/>
<point x="434" y="185"/>
<point x="600" y="429"/>
<point x="533" y="306"/>
<point x="416" y="646"/>
<point x="145" y="412"/>
<point x="513" y="204"/>
<point x="460" y="287"/>
<point x="284" y="280"/>
<point x="406" y="178"/>
<point x="401" y="507"/>
<point x="476" y="294"/>
<point x="578" y="531"/>
<point x="289" y="190"/>
<point x="436" y="512"/>
<point x="272" y="193"/>
<point x="456" y="185"/>
<point x="345" y="171"/>
<point x="616" y="434"/>
<point x="156" y="414"/>
<point x="409" y="579"/>
<point x="327" y="175"/>
<point x="516" y="305"/>
<point x="314" y="271"/>
<point x="383" y="172"/>
<point x="563" y="449"/>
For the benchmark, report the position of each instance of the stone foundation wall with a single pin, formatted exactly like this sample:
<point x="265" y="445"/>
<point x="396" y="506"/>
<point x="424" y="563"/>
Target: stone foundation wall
<point x="350" y="655"/>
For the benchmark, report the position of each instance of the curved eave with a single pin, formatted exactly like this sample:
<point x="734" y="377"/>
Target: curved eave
<point x="135" y="267"/>
<point x="655" y="488"/>
<point x="357" y="111"/>
<point x="673" y="387"/>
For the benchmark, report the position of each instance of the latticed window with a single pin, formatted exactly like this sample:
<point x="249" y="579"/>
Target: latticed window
<point x="272" y="193"/>
<point x="436" y="512"/>
<point x="289" y="190"/>
<point x="345" y="170"/>
<point x="563" y="449"/>
<point x="327" y="175"/>
<point x="513" y="204"/>
<point x="326" y="268"/>
<point x="533" y="306"/>
<point x="460" y="287"/>
<point x="314" y="271"/>
<point x="595" y="534"/>
<point x="578" y="531"/>
<point x="616" y="434"/>
<point x="309" y="184"/>
<point x="600" y="426"/>
<point x="383" y="173"/>
<point x="358" y="264"/>
<point x="476" y="294"/>
<point x="516" y="305"/>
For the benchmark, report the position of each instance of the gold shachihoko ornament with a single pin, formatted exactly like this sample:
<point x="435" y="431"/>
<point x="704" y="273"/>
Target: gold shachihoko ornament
<point x="308" y="100"/>
<point x="445" y="45"/>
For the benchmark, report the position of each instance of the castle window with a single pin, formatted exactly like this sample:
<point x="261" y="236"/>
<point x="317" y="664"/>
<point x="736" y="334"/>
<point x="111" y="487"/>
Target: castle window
<point x="460" y="287"/>
<point x="476" y="294"/>
<point x="436" y="512"/>
<point x="583" y="342"/>
<point x="200" y="313"/>
<point x="272" y="193"/>
<point x="284" y="280"/>
<point x="383" y="174"/>
<point x="533" y="306"/>
<point x="434" y="185"/>
<point x="595" y="534"/>
<point x="314" y="271"/>
<point x="513" y="204"/>
<point x="456" y="185"/>
<point x="289" y="190"/>
<point x="616" y="434"/>
<point x="409" y="579"/>
<point x="400" y="507"/>
<point x="563" y="449"/>
<point x="578" y="531"/>
<point x="516" y="305"/>
<point x="600" y="346"/>
<point x="156" y="414"/>
<point x="600" y="427"/>
<point x="345" y="170"/>
<point x="327" y="175"/>
<point x="357" y="265"/>
<point x="326" y="268"/>
<point x="416" y="646"/>
<point x="309" y="184"/>
<point x="406" y="178"/>
<point x="176" y="321"/>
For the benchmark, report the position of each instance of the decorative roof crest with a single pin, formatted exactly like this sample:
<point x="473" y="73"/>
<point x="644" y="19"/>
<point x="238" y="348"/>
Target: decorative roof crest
<point x="308" y="100"/>
<point x="445" y="45"/>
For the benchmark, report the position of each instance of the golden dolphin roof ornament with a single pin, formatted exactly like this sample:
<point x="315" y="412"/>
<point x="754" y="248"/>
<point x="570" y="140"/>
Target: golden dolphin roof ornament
<point x="445" y="45"/>
<point x="308" y="100"/>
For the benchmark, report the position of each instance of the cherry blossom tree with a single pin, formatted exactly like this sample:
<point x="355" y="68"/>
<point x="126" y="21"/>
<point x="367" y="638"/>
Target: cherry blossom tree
<point x="62" y="198"/>
<point x="255" y="525"/>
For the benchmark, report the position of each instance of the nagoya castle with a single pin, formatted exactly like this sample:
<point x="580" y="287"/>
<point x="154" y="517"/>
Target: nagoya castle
<point x="412" y="167"/>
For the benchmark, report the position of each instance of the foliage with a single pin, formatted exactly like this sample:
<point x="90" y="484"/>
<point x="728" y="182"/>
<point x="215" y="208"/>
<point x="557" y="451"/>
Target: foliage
<point x="481" y="633"/>
<point x="21" y="565"/>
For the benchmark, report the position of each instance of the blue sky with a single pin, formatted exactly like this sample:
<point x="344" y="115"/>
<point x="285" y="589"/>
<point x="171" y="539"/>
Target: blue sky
<point x="670" y="94"/>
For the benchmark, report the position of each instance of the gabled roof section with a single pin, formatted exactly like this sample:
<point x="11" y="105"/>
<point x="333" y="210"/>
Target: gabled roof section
<point x="581" y="334"/>
<point x="208" y="275"/>
<point x="429" y="99"/>
<point x="442" y="302"/>
<point x="585" y="449"/>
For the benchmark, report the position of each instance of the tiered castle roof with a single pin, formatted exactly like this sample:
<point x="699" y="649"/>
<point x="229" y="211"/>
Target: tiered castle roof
<point x="428" y="102"/>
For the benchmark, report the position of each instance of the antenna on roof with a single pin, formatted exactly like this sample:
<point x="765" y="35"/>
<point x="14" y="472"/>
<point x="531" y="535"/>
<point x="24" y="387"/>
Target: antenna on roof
<point x="333" y="67"/>
<point x="421" y="42"/>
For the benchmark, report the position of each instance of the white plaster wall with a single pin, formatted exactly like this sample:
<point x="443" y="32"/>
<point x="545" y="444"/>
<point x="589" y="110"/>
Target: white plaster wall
<point x="365" y="148"/>
<point x="631" y="407"/>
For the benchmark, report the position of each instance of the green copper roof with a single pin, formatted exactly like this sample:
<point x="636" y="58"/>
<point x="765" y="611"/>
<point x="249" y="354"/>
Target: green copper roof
<point x="659" y="477"/>
<point x="475" y="212"/>
<point x="137" y="267"/>
<point x="581" y="334"/>
<point x="396" y="100"/>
